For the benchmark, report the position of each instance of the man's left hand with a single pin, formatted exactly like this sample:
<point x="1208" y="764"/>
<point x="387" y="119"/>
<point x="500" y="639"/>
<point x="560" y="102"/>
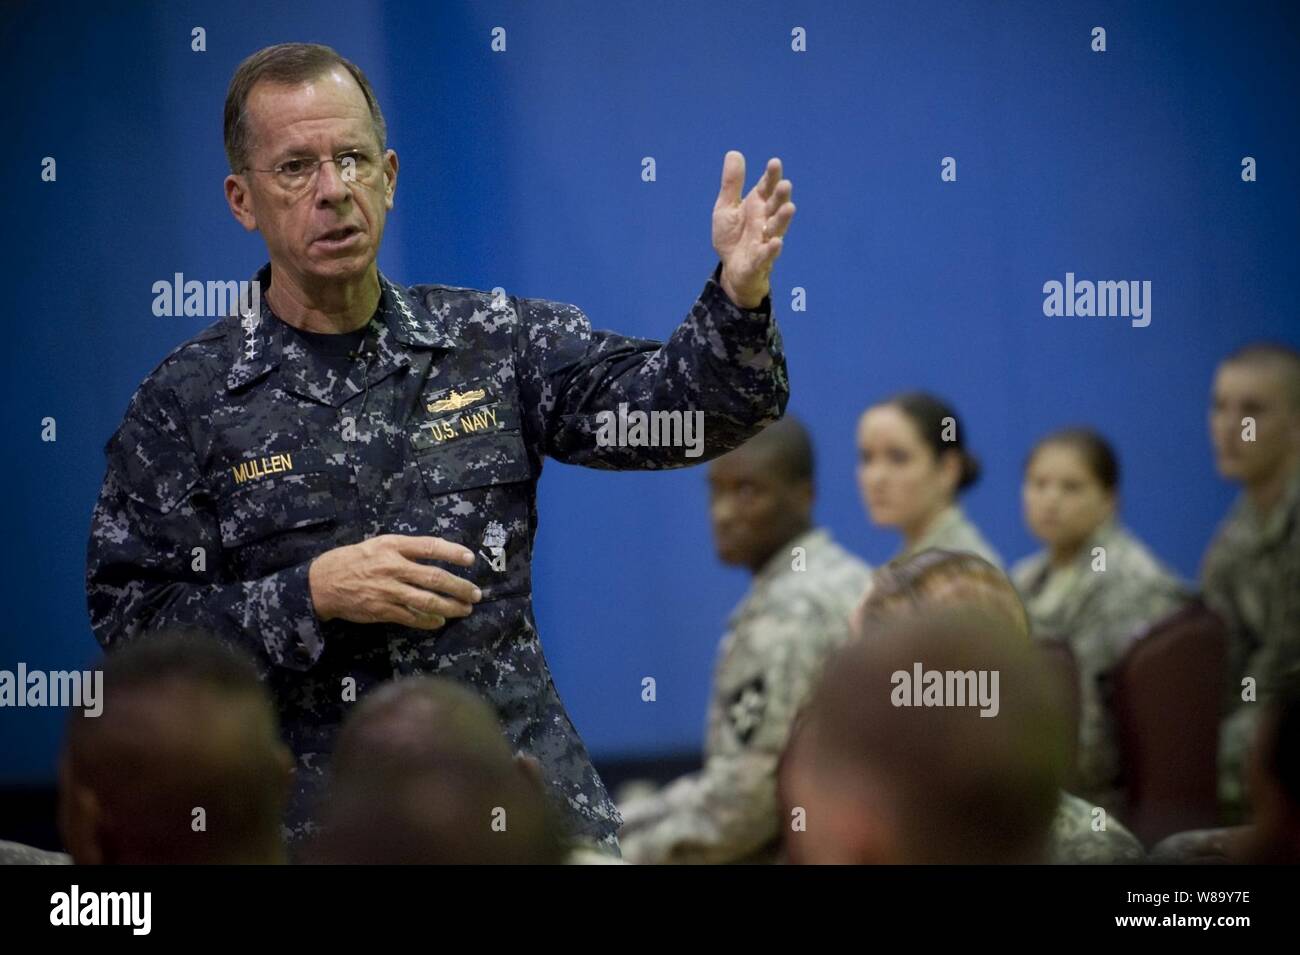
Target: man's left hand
<point x="747" y="234"/>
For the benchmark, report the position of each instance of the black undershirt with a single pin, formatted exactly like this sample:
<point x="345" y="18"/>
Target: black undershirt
<point x="336" y="351"/>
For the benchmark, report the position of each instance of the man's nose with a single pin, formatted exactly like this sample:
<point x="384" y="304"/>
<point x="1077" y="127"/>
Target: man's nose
<point x="331" y="187"/>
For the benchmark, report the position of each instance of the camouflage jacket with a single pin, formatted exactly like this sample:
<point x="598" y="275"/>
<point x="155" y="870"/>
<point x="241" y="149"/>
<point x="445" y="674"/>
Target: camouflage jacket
<point x="1099" y="612"/>
<point x="1251" y="576"/>
<point x="952" y="530"/>
<point x="1074" y="840"/>
<point x="243" y="456"/>
<point x="796" y="613"/>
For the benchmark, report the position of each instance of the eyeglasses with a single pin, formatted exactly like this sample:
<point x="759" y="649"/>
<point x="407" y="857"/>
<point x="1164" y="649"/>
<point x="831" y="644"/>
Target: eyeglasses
<point x="297" y="174"/>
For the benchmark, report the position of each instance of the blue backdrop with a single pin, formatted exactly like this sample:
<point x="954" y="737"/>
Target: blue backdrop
<point x="523" y="169"/>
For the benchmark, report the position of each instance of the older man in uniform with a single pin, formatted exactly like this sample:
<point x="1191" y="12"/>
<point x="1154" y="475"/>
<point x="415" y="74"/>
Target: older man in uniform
<point x="1251" y="571"/>
<point x="346" y="482"/>
<point x="795" y="614"/>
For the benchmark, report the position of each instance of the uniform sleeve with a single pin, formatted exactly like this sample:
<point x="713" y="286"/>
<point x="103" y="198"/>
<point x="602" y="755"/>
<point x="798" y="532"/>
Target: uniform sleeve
<point x="154" y="560"/>
<point x="728" y="809"/>
<point x="722" y="361"/>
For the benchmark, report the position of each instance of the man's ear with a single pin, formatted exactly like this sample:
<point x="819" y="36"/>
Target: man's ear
<point x="80" y="818"/>
<point x="240" y="201"/>
<point x="806" y="496"/>
<point x="390" y="178"/>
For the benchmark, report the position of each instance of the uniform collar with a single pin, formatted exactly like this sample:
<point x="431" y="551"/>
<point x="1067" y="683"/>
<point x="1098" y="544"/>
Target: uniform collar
<point x="779" y="564"/>
<point x="944" y="521"/>
<point x="258" y="344"/>
<point x="1270" y="530"/>
<point x="814" y="542"/>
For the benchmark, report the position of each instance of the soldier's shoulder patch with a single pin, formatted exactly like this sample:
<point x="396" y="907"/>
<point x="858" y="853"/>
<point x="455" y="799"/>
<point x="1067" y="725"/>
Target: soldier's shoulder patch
<point x="746" y="707"/>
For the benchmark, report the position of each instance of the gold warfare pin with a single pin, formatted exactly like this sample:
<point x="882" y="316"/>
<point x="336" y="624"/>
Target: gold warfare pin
<point x="457" y="400"/>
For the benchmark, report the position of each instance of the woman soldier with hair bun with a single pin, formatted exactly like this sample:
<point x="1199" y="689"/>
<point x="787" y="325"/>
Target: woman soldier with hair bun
<point x="1094" y="584"/>
<point x="913" y="463"/>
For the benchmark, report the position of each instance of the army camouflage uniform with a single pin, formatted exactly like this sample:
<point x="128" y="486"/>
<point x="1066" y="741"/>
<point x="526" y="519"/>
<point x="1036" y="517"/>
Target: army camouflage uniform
<point x="795" y="613"/>
<point x="1073" y="841"/>
<point x="15" y="853"/>
<point x="244" y="455"/>
<point x="1100" y="614"/>
<point x="952" y="530"/>
<point x="1251" y="577"/>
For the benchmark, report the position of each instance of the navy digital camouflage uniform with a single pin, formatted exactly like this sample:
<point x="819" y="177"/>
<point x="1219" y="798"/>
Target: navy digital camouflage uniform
<point x="246" y="445"/>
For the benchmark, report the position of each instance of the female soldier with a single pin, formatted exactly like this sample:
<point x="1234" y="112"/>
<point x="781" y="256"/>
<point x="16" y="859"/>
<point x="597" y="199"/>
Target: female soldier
<point x="1093" y="585"/>
<point x="912" y="464"/>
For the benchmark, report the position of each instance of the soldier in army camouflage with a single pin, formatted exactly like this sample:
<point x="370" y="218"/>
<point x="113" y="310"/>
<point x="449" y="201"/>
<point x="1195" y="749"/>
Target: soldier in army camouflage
<point x="913" y="463"/>
<point x="1094" y="585"/>
<point x="796" y="612"/>
<point x="346" y="481"/>
<point x="1251" y="572"/>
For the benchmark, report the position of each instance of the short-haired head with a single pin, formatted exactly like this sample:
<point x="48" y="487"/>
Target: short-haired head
<point x="286" y="64"/>
<point x="761" y="494"/>
<point x="187" y="732"/>
<point x="422" y="773"/>
<point x="944" y="579"/>
<point x="887" y="779"/>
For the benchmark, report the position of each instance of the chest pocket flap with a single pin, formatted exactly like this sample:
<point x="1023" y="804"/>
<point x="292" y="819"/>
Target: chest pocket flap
<point x="261" y="497"/>
<point x="476" y="460"/>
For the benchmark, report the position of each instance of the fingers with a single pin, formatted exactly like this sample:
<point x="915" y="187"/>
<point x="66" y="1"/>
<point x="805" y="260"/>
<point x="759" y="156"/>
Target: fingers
<point x="779" y="197"/>
<point x="431" y="548"/>
<point x="438" y="581"/>
<point x="426" y="603"/>
<point x="771" y="176"/>
<point x="407" y="617"/>
<point x="733" y="179"/>
<point x="778" y="224"/>
<point x="767" y="255"/>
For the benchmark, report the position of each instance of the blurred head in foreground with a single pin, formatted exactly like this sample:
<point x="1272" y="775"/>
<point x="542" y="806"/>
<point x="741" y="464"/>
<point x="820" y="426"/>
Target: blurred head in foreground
<point x="422" y="774"/>
<point x="939" y="579"/>
<point x="935" y="736"/>
<point x="184" y="764"/>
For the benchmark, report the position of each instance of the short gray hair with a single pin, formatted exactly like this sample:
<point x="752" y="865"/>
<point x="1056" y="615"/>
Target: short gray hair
<point x="286" y="64"/>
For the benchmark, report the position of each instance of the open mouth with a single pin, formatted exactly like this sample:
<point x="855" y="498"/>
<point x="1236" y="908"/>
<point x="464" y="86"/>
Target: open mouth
<point x="340" y="236"/>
